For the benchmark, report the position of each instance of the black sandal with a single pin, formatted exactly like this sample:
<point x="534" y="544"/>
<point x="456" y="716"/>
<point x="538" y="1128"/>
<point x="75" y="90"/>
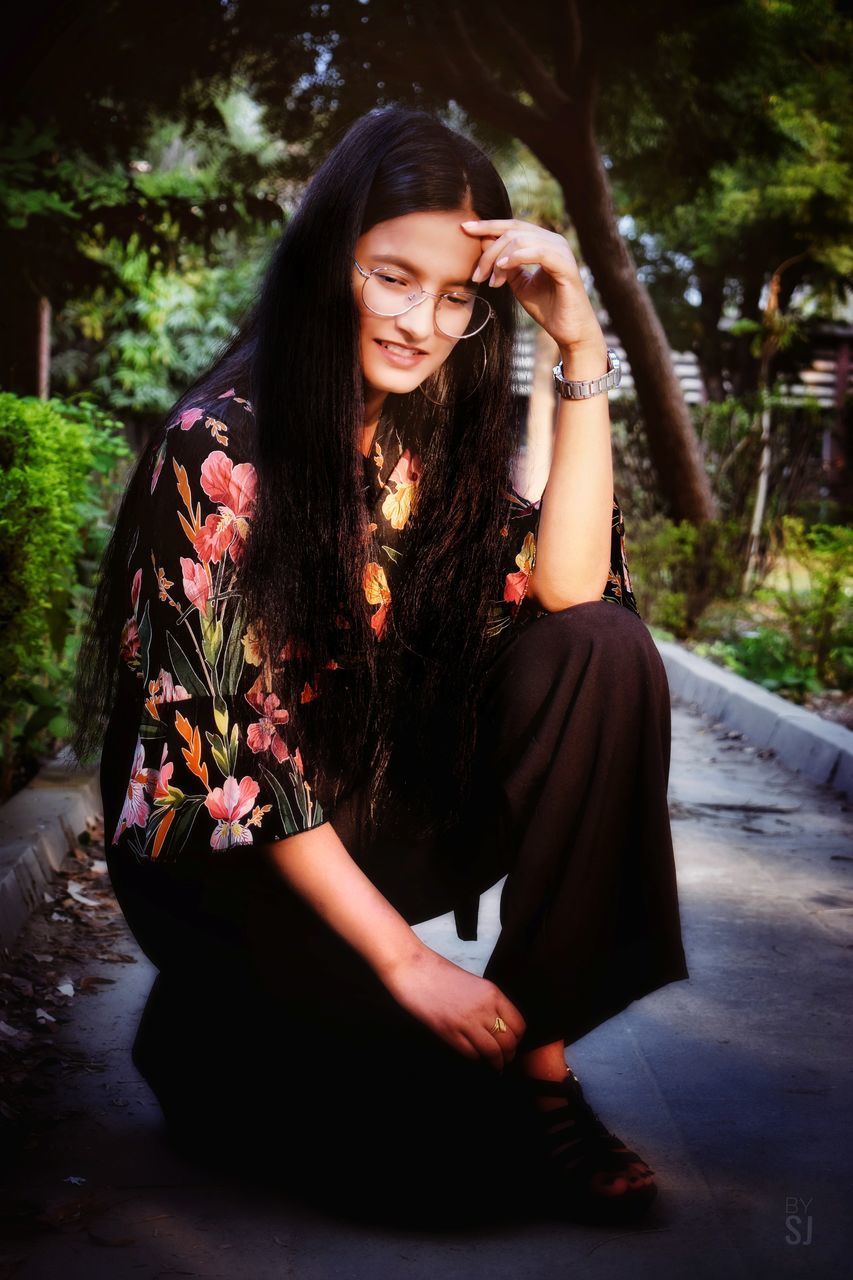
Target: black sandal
<point x="577" y="1146"/>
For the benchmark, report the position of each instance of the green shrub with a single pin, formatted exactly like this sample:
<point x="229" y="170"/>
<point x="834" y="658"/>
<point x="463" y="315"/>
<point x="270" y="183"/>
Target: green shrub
<point x="795" y="636"/>
<point x="818" y="615"/>
<point x="677" y="568"/>
<point x="59" y="465"/>
<point x="769" y="658"/>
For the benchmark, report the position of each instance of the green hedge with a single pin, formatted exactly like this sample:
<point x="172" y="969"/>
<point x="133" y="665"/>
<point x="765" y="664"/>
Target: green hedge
<point x="61" y="466"/>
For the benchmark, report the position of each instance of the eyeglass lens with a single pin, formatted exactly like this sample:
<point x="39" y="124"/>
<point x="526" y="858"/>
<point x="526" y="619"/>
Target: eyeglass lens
<point x="458" y="314"/>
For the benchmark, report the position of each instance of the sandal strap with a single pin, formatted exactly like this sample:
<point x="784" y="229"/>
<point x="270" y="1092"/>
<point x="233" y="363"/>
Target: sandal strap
<point x="574" y="1138"/>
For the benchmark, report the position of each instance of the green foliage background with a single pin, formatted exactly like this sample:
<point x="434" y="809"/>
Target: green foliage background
<point x="61" y="467"/>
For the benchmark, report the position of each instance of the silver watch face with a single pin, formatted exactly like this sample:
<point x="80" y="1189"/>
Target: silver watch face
<point x="615" y="362"/>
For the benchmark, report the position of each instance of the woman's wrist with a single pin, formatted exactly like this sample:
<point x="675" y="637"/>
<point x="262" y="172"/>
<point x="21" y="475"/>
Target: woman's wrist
<point x="393" y="950"/>
<point x="585" y="360"/>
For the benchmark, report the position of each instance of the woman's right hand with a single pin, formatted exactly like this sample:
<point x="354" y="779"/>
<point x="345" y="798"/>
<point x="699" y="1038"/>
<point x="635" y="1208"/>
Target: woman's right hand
<point x="457" y="1005"/>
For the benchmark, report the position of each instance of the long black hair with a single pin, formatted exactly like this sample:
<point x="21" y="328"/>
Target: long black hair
<point x="403" y="720"/>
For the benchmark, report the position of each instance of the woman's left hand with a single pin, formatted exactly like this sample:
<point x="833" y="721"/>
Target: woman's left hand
<point x="542" y="273"/>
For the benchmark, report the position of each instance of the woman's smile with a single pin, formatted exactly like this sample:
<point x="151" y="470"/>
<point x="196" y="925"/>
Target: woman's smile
<point x="406" y="357"/>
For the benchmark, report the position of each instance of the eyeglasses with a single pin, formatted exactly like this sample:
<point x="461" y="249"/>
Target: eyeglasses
<point x="390" y="291"/>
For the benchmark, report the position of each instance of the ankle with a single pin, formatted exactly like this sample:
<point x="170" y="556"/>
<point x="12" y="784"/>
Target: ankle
<point x="547" y="1062"/>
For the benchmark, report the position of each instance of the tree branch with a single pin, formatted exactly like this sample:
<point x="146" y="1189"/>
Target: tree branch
<point x="475" y="82"/>
<point x="550" y="99"/>
<point x="567" y="67"/>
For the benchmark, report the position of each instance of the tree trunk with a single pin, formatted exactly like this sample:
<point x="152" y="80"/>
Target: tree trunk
<point x="43" y="372"/>
<point x="675" y="449"/>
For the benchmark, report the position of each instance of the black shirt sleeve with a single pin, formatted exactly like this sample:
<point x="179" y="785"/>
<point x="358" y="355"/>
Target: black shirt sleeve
<point x="216" y="761"/>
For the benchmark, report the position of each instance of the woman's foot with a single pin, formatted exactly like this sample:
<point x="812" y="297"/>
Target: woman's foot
<point x="582" y="1159"/>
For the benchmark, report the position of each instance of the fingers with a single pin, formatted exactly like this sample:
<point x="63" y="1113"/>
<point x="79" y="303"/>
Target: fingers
<point x="491" y="225"/>
<point x="511" y="1016"/>
<point x="507" y="244"/>
<point x="487" y="1046"/>
<point x="519" y="243"/>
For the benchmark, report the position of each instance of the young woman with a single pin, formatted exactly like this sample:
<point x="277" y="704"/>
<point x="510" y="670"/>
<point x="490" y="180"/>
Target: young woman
<point x="351" y="678"/>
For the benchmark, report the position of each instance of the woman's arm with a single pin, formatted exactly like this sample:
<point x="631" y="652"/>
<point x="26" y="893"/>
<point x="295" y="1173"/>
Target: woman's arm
<point x="454" y="1003"/>
<point x="318" y="865"/>
<point x="573" y="544"/>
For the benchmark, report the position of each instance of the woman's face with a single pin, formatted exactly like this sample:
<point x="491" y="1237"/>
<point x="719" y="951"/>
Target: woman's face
<point x="433" y="248"/>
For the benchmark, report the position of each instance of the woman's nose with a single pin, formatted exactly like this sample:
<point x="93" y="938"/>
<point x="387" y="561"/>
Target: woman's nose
<point x="419" y="321"/>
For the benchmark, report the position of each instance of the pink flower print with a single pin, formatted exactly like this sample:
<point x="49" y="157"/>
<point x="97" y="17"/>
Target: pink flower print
<point x="169" y="691"/>
<point x="196" y="582"/>
<point x="158" y="779"/>
<point x="129" y="643"/>
<point x="189" y="418"/>
<point x="164" y="689"/>
<point x="226" y="394"/>
<point x="234" y="488"/>
<point x="228" y="804"/>
<point x="136" y="808"/>
<point x="158" y="465"/>
<point x="264" y="735"/>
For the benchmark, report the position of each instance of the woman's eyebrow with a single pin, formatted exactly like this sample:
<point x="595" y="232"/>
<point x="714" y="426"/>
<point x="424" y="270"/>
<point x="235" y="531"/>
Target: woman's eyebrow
<point x="402" y="262"/>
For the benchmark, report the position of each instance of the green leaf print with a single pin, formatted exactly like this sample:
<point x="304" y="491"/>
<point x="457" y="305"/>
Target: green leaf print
<point x="212" y="635"/>
<point x="184" y="673"/>
<point x="144" y="632"/>
<point x="291" y="827"/>
<point x="232" y="667"/>
<point x="220" y="753"/>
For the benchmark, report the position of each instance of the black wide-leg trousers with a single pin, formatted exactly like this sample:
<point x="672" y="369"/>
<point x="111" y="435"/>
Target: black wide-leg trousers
<point x="567" y="801"/>
<point x="258" y="1001"/>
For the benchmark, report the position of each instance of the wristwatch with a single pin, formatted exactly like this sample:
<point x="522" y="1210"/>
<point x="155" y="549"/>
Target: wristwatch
<point x="578" y="389"/>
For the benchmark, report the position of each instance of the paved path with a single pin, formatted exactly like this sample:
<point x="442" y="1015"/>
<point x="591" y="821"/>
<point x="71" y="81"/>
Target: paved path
<point x="734" y="1083"/>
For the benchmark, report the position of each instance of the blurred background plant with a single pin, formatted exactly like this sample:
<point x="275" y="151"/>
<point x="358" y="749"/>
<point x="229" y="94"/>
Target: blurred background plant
<point x="62" y="465"/>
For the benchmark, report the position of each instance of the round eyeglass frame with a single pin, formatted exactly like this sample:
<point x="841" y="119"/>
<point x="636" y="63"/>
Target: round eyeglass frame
<point x="424" y="294"/>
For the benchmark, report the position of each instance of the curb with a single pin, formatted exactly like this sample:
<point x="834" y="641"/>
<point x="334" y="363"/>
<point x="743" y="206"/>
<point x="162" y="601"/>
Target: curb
<point x="816" y="748"/>
<point x="37" y="826"/>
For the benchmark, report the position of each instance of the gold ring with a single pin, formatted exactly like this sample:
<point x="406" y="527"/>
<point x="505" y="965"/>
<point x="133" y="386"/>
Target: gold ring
<point x="500" y="1025"/>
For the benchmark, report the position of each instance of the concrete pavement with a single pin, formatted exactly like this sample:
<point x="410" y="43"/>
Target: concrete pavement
<point x="734" y="1084"/>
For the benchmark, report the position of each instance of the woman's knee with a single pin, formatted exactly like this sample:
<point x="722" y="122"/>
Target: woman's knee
<point x="608" y="631"/>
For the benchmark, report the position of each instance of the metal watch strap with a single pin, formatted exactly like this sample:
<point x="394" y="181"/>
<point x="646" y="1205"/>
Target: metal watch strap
<point x="585" y="389"/>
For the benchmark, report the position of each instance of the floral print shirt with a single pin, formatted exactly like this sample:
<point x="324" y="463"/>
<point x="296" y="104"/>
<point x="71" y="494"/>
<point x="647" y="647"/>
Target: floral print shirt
<point x="215" y="762"/>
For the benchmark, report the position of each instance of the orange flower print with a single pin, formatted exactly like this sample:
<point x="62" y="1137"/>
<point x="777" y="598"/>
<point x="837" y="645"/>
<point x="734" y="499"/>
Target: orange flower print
<point x="626" y="575"/>
<point x="163" y="583"/>
<point x="516" y="583"/>
<point x="377" y="591"/>
<point x="397" y="506"/>
<point x="234" y="488"/>
<point x="163" y="689"/>
<point x="251" y="647"/>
